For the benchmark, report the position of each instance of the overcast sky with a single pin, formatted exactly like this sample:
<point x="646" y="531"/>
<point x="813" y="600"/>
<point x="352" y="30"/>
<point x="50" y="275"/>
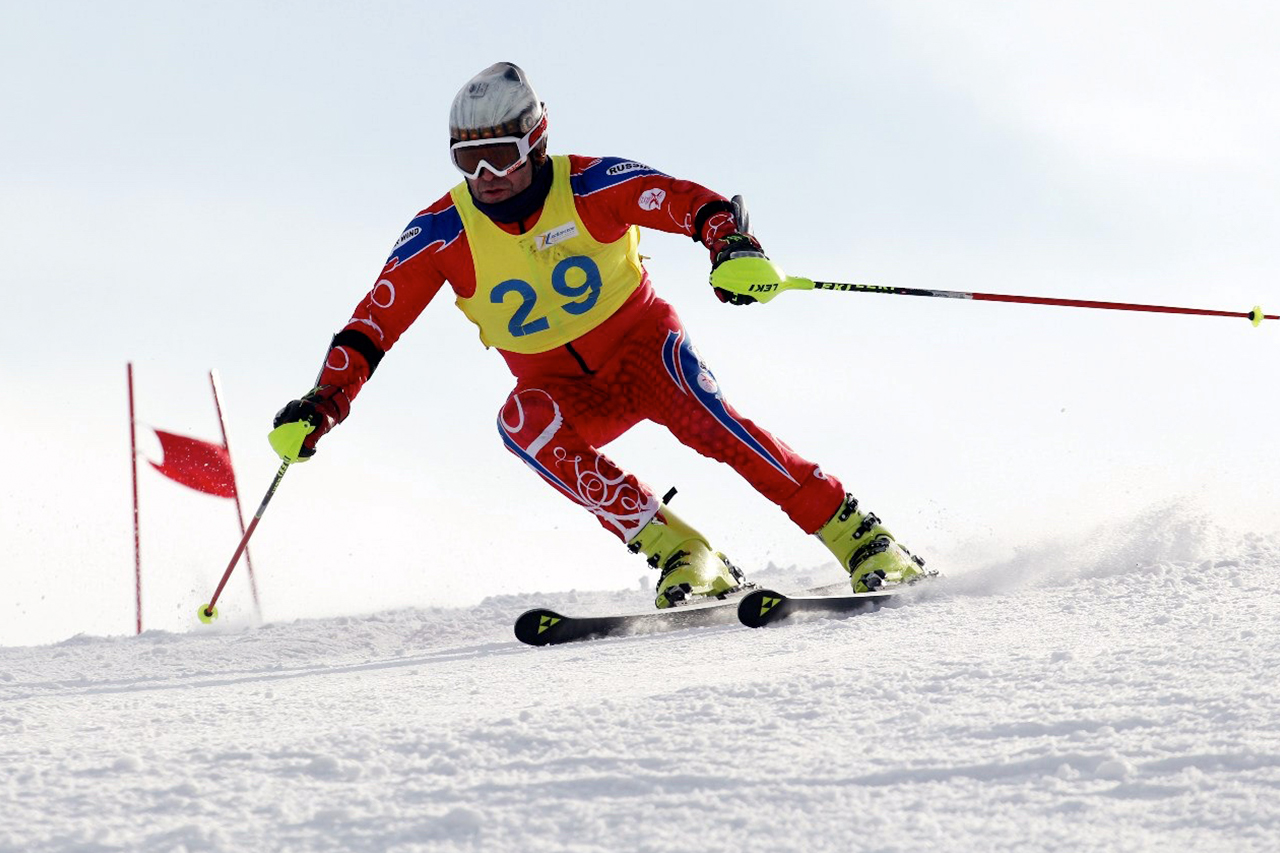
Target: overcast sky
<point x="215" y="185"/>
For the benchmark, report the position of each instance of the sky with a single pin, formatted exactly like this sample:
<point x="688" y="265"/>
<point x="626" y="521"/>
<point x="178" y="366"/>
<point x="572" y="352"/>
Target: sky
<point x="216" y="185"/>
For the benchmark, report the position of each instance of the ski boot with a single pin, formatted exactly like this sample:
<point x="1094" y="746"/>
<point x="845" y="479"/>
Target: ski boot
<point x="690" y="569"/>
<point x="866" y="550"/>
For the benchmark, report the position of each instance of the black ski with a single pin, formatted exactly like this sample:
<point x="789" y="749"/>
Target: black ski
<point x="543" y="627"/>
<point x="766" y="606"/>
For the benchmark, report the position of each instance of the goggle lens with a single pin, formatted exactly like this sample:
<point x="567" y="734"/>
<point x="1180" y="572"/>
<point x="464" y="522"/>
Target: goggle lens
<point x="500" y="156"/>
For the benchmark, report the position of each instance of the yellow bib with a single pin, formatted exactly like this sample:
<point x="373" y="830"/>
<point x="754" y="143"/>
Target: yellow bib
<point x="541" y="290"/>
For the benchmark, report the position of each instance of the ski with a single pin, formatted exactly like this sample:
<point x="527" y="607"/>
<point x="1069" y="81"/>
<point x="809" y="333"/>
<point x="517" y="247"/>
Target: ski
<point x="766" y="606"/>
<point x="543" y="627"/>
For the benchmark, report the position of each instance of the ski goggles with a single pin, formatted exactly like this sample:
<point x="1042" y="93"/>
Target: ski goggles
<point x="501" y="155"/>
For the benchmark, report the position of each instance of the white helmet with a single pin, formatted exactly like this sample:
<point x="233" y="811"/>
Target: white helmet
<point x="496" y="102"/>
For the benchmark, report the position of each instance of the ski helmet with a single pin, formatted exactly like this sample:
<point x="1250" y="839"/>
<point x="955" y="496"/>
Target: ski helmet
<point x="496" y="102"/>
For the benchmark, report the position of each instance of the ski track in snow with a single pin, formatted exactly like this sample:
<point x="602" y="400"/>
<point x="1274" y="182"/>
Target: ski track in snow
<point x="1120" y="699"/>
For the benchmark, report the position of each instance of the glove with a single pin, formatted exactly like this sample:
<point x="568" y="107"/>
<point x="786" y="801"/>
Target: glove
<point x="724" y="250"/>
<point x="323" y="408"/>
<point x="741" y="273"/>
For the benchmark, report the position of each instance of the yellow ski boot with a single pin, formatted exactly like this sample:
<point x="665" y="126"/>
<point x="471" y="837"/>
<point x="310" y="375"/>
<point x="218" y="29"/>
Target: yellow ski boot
<point x="690" y="569"/>
<point x="866" y="550"/>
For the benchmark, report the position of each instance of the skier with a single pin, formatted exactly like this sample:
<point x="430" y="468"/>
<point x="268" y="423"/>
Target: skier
<point x="541" y="253"/>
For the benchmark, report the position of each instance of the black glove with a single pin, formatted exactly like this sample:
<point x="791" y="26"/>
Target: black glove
<point x="727" y="248"/>
<point x="324" y="408"/>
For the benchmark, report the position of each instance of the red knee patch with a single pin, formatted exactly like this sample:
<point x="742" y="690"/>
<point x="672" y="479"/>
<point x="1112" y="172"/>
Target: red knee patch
<point x="530" y="418"/>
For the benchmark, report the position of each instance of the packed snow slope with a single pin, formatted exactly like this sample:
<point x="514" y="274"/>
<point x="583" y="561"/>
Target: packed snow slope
<point x="1112" y="693"/>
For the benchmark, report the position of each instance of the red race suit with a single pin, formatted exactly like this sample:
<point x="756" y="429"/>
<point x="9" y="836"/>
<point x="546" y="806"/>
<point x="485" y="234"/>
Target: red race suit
<point x="637" y="364"/>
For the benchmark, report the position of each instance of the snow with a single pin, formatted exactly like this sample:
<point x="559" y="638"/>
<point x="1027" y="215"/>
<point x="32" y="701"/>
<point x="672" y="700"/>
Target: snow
<point x="1110" y="692"/>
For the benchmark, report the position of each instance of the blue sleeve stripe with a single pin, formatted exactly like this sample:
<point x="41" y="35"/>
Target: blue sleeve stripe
<point x="609" y="172"/>
<point x="424" y="231"/>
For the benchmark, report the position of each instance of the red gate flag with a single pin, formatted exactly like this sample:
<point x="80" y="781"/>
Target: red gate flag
<point x="201" y="465"/>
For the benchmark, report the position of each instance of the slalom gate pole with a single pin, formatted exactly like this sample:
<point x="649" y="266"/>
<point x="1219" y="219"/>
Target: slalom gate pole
<point x="235" y="491"/>
<point x="137" y="536"/>
<point x="1256" y="316"/>
<point x="208" y="612"/>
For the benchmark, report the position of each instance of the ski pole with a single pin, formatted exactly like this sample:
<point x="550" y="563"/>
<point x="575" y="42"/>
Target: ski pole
<point x="1256" y="316"/>
<point x="288" y="441"/>
<point x="208" y="612"/>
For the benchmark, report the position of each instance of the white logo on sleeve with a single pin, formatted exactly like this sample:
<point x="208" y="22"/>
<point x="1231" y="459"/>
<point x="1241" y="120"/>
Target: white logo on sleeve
<point x="346" y="359"/>
<point x="622" y="168"/>
<point x="653" y="199"/>
<point x="381" y="287"/>
<point x="408" y="235"/>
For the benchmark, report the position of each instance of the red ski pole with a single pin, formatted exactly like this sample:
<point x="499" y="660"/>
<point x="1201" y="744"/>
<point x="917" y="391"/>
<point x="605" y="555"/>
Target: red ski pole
<point x="287" y="440"/>
<point x="1256" y="316"/>
<point x="208" y="612"/>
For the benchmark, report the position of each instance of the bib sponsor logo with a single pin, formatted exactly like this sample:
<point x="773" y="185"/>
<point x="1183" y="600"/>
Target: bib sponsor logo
<point x="653" y="199"/>
<point x="622" y="168"/>
<point x="556" y="235"/>
<point x="406" y="237"/>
